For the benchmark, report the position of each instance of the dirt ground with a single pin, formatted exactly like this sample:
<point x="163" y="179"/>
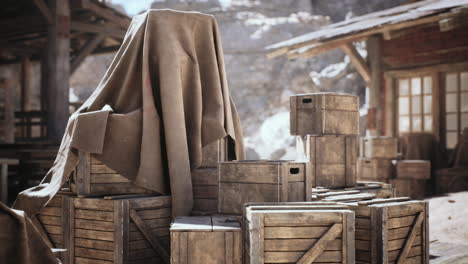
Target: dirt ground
<point x="448" y="228"/>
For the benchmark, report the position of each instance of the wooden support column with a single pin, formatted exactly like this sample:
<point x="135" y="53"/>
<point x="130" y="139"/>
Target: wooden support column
<point x="57" y="69"/>
<point x="374" y="116"/>
<point x="25" y="84"/>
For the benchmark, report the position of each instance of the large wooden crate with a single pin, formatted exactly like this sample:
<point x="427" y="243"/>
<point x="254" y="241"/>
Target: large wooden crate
<point x="324" y="114"/>
<point x="261" y="181"/>
<point x="205" y="190"/>
<point x="413" y="169"/>
<point x="128" y="230"/>
<point x="415" y="189"/>
<point x="381" y="170"/>
<point x="206" y="239"/>
<point x="332" y="160"/>
<point x="391" y="230"/>
<point x="93" y="178"/>
<point x="299" y="235"/>
<point x="379" y="147"/>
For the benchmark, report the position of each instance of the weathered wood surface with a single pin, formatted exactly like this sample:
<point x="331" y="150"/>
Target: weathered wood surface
<point x="413" y="169"/>
<point x="324" y="114"/>
<point x="332" y="160"/>
<point x="261" y="181"/>
<point x="205" y="189"/>
<point x="379" y="147"/>
<point x="299" y="234"/>
<point x="206" y="239"/>
<point x="415" y="189"/>
<point x="375" y="169"/>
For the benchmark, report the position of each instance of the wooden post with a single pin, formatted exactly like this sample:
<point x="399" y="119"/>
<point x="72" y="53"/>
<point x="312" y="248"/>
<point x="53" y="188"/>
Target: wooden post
<point x="374" y="123"/>
<point x="58" y="69"/>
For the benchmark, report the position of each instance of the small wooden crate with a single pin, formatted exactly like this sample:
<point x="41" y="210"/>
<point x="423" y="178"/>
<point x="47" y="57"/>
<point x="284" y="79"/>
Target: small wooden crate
<point x="332" y="160"/>
<point x="391" y="230"/>
<point x="261" y="181"/>
<point x="206" y="239"/>
<point x="205" y="190"/>
<point x="415" y="189"/>
<point x="379" y="147"/>
<point x="134" y="230"/>
<point x="375" y="169"/>
<point x="299" y="235"/>
<point x="413" y="169"/>
<point x="94" y="178"/>
<point x="324" y="114"/>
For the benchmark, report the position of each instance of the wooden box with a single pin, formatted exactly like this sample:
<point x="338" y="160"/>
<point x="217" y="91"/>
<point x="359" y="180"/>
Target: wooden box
<point x="299" y="235"/>
<point x="391" y="230"/>
<point x="93" y="178"/>
<point x="205" y="190"/>
<point x="451" y="180"/>
<point x="380" y="189"/>
<point x="379" y="147"/>
<point x="324" y="114"/>
<point x="133" y="230"/>
<point x="332" y="160"/>
<point x="261" y="181"/>
<point x="413" y="169"/>
<point x="213" y="153"/>
<point x="206" y="239"/>
<point x="375" y="169"/>
<point x="415" y="189"/>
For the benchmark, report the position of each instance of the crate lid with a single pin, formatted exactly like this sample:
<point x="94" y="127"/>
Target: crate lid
<point x="205" y="224"/>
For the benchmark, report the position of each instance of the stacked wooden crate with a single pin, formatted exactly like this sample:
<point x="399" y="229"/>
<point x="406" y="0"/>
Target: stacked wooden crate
<point x="411" y="178"/>
<point x="376" y="161"/>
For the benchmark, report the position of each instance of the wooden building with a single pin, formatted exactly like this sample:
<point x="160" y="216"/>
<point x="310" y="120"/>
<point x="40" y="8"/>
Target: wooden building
<point x="416" y="67"/>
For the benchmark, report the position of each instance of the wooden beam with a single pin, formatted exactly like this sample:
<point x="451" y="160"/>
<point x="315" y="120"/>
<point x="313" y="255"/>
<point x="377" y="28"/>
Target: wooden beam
<point x="357" y="60"/>
<point x="25" y="84"/>
<point x="374" y="56"/>
<point x="105" y="12"/>
<point x="94" y="28"/>
<point x="44" y="10"/>
<point x="87" y="49"/>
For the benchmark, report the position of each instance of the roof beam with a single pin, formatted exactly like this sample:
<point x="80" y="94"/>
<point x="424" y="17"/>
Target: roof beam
<point x="357" y="60"/>
<point x="87" y="49"/>
<point x="45" y="11"/>
<point x="94" y="28"/>
<point x="106" y="13"/>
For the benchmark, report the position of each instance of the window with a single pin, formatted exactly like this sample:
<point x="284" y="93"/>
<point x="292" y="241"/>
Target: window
<point x="415" y="104"/>
<point x="456" y="106"/>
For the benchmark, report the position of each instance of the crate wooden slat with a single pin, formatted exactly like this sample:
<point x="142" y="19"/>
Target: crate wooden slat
<point x="413" y="169"/>
<point x="93" y="178"/>
<point x="261" y="181"/>
<point x="379" y="147"/>
<point x="375" y="169"/>
<point x="213" y="153"/>
<point x="392" y="230"/>
<point x="415" y="189"/>
<point x="205" y="190"/>
<point x="380" y="189"/>
<point x="332" y="160"/>
<point x="299" y="235"/>
<point x="324" y="114"/>
<point x="129" y="230"/>
<point x="206" y="239"/>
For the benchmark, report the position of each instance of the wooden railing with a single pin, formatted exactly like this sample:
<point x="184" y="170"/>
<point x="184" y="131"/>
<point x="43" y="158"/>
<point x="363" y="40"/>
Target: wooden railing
<point x="30" y="126"/>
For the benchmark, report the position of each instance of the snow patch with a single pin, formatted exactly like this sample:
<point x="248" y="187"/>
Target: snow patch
<point x="72" y="97"/>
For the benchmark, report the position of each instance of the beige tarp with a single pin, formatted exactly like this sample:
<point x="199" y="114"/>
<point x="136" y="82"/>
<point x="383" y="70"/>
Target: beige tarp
<point x="164" y="96"/>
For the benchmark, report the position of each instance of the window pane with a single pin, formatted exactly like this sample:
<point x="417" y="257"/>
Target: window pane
<point x="427" y="104"/>
<point x="416" y="124"/>
<point x="403" y="105"/>
<point x="464" y="121"/>
<point x="403" y="86"/>
<point x="415" y="85"/>
<point x="416" y="105"/>
<point x="464" y="101"/>
<point x="451" y="82"/>
<point x="428" y="123"/>
<point x="451" y="120"/>
<point x="464" y="81"/>
<point x="451" y="102"/>
<point x="427" y="85"/>
<point x="403" y="124"/>
<point x="451" y="139"/>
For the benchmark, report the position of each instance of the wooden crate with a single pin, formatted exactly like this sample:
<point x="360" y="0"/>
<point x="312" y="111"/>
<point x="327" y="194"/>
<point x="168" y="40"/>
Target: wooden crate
<point x="451" y="180"/>
<point x="324" y="114"/>
<point x="413" y="169"/>
<point x="127" y="230"/>
<point x="206" y="239"/>
<point x="214" y="153"/>
<point x="205" y="190"/>
<point x="93" y="178"/>
<point x="341" y="196"/>
<point x="375" y="169"/>
<point x="380" y="189"/>
<point x="332" y="160"/>
<point x="379" y="147"/>
<point x="415" y="189"/>
<point x="261" y="181"/>
<point x="392" y="230"/>
<point x="299" y="235"/>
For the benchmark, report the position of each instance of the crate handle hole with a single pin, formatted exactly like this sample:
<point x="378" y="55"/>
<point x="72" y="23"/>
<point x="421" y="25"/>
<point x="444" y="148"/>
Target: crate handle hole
<point x="307" y="100"/>
<point x="294" y="170"/>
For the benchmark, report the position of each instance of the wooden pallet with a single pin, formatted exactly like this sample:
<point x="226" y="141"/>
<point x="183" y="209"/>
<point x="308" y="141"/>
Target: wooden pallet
<point x="392" y="230"/>
<point x="379" y="147"/>
<point x="261" y="181"/>
<point x="324" y="114"/>
<point x="206" y="239"/>
<point x="299" y="235"/>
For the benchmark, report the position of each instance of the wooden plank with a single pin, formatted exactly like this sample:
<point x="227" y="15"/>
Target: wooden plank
<point x="50" y="220"/>
<point x="80" y="260"/>
<point x="93" y="234"/>
<point x="357" y="60"/>
<point x="94" y="215"/>
<point x="82" y="174"/>
<point x="154" y="213"/>
<point x="153" y="202"/>
<point x="401" y="221"/>
<point x="86" y="50"/>
<point x="96" y="244"/>
<point x="293" y="257"/>
<point x="94" y="253"/>
<point x="296" y="232"/>
<point x="409" y="242"/>
<point x="108" y="178"/>
<point x="301" y="244"/>
<point x="121" y="237"/>
<point x="52" y="211"/>
<point x="316" y="251"/>
<point x="257" y="238"/>
<point x="93" y="204"/>
<point x="298" y="217"/>
<point x="374" y="51"/>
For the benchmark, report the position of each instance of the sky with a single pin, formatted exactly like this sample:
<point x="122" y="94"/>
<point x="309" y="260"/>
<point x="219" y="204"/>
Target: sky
<point x="133" y="7"/>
